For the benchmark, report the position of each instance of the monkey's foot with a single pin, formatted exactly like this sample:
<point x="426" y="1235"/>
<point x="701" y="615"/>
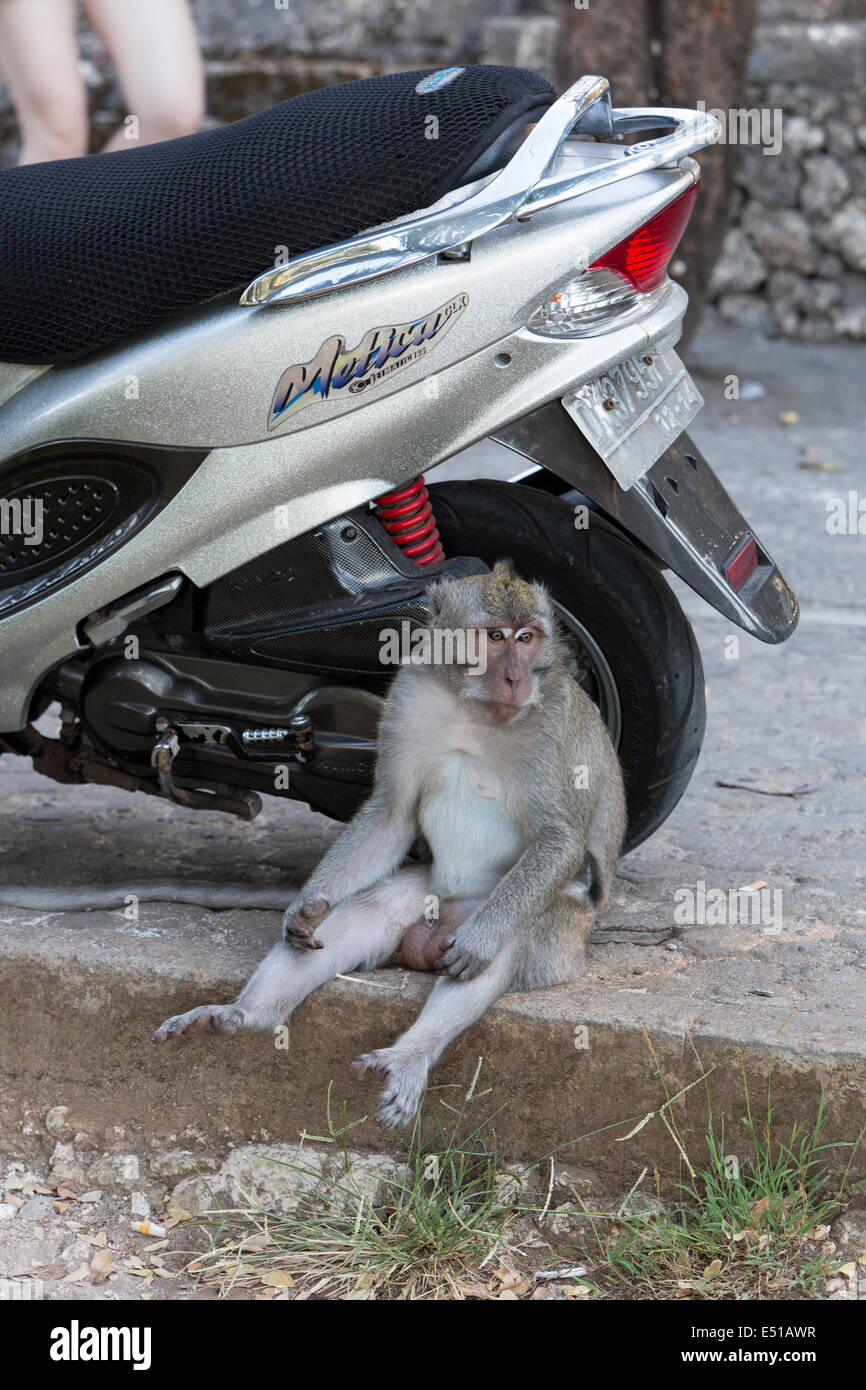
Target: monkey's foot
<point x="407" y="1078"/>
<point x="225" y="1018"/>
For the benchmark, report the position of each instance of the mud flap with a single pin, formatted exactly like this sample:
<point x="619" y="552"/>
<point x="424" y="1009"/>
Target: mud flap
<point x="679" y="511"/>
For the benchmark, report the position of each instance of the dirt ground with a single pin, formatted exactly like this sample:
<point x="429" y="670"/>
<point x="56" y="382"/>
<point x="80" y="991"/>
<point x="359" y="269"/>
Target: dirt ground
<point x="69" y="1242"/>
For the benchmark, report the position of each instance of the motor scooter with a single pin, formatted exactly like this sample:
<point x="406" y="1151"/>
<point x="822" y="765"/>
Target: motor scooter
<point x="227" y="363"/>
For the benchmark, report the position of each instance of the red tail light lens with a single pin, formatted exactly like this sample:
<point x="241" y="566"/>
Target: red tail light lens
<point x="644" y="256"/>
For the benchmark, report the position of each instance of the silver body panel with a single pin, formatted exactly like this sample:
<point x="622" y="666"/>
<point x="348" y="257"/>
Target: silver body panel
<point x="13" y="376"/>
<point x="207" y="379"/>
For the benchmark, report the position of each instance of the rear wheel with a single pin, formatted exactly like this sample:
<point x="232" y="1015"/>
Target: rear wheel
<point x="634" y="651"/>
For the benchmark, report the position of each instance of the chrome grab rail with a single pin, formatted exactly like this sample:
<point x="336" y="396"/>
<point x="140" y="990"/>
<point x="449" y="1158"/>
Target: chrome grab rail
<point x="518" y="190"/>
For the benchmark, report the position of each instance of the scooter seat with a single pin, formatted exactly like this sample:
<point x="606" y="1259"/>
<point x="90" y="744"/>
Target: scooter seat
<point x="97" y="248"/>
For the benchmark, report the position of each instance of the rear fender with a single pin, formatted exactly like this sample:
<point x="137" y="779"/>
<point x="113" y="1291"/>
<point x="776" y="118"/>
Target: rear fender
<point x="678" y="510"/>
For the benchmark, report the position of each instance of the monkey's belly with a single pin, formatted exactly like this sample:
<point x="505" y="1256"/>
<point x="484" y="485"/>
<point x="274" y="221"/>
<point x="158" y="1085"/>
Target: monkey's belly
<point x="472" y="838"/>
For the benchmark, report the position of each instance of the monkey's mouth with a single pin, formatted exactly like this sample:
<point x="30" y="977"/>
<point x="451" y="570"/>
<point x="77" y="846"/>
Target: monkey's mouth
<point x="504" y="712"/>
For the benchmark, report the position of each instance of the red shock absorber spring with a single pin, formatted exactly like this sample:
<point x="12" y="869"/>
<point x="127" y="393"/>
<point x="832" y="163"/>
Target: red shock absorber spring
<point x="407" y="516"/>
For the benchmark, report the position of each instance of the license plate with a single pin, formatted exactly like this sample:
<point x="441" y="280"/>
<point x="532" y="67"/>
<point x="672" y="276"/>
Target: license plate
<point x="632" y="413"/>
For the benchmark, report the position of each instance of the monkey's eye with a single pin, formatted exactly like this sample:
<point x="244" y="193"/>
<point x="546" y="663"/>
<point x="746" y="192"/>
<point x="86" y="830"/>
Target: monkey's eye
<point x="525" y="636"/>
<point x="495" y="635"/>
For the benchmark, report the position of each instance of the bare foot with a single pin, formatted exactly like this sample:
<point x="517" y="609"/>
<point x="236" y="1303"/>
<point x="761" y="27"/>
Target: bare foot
<point x="225" y="1018"/>
<point x="407" y="1078"/>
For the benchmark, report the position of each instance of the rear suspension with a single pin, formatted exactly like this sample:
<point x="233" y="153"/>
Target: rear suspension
<point x="407" y="516"/>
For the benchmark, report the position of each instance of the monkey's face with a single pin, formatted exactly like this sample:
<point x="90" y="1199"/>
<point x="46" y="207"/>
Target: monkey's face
<point x="515" y="659"/>
<point x="505" y="629"/>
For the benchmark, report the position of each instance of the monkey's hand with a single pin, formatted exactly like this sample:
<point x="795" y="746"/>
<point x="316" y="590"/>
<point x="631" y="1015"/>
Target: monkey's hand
<point x="469" y="951"/>
<point x="301" y="919"/>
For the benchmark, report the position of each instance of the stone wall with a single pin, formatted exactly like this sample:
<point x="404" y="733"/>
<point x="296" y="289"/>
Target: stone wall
<point x="794" y="261"/>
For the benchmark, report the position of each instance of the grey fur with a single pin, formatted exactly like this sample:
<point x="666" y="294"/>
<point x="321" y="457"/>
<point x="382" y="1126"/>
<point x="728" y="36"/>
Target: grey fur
<point x="488" y="768"/>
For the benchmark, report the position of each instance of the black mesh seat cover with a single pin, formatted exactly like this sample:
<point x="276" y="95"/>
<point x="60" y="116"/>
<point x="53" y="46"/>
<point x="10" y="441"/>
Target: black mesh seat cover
<point x="96" y="248"/>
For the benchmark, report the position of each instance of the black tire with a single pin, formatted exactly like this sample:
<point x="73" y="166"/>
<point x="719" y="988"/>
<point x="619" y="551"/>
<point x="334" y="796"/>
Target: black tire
<point x="622" y="601"/>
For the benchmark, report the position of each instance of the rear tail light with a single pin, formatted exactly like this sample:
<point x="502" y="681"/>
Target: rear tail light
<point x="644" y="256"/>
<point x="613" y="285"/>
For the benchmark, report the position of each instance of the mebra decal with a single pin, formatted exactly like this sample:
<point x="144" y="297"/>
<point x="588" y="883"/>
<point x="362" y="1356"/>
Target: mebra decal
<point x="382" y="351"/>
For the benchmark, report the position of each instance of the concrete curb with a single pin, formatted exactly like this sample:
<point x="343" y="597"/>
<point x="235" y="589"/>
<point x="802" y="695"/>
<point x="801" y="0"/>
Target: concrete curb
<point x="79" y="1002"/>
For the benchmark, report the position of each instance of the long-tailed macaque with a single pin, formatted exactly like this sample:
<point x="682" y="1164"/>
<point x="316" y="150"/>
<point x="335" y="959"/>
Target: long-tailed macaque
<point x="509" y="775"/>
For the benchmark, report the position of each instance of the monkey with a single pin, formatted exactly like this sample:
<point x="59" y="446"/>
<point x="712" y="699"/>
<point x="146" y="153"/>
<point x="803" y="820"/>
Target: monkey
<point x="506" y="769"/>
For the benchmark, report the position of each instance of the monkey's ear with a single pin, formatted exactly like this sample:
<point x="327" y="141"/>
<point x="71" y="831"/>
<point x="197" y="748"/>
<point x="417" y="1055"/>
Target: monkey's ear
<point x="546" y="611"/>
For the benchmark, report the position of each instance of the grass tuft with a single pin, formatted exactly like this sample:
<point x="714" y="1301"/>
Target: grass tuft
<point x="750" y="1221"/>
<point x="444" y="1212"/>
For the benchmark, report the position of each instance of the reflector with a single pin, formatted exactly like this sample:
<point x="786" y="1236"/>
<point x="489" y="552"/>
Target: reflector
<point x="742" y="564"/>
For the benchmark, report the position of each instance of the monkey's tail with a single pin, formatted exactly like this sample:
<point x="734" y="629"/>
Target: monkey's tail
<point x="220" y="897"/>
